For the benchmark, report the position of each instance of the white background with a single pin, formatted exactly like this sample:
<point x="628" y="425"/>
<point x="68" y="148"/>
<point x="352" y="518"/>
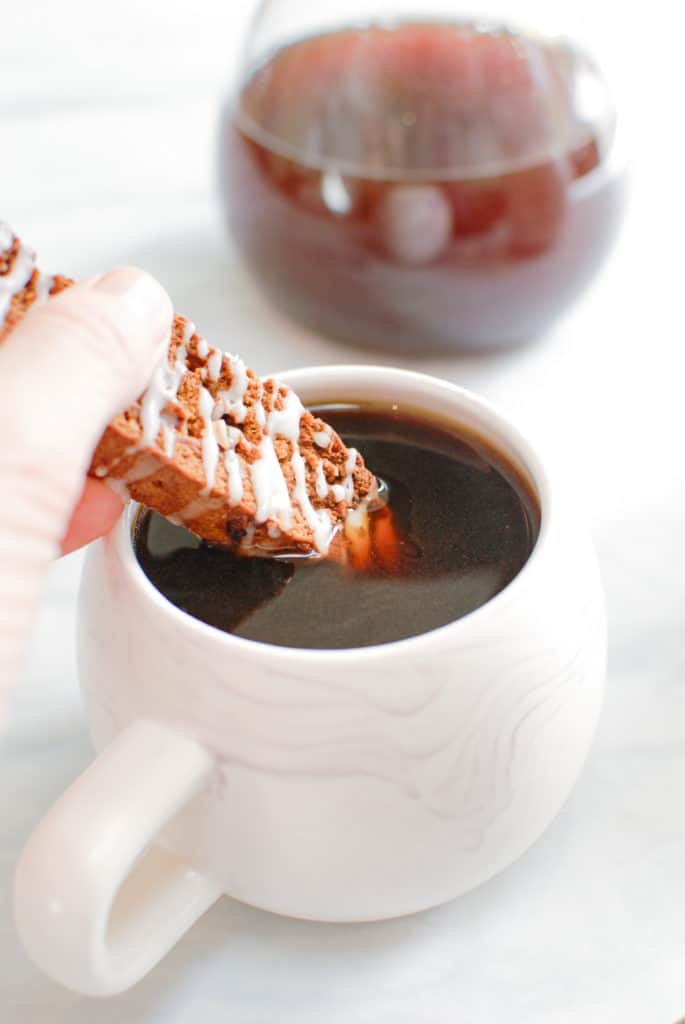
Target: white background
<point x="107" y="123"/>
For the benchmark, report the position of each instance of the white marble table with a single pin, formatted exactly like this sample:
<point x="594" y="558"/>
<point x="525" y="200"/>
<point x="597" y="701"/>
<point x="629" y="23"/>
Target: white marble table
<point x="107" y="131"/>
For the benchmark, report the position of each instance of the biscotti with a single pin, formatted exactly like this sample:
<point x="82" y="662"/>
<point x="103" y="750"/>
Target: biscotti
<point x="234" y="458"/>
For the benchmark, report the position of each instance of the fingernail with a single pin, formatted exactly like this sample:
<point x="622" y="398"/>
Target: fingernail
<point x="143" y="297"/>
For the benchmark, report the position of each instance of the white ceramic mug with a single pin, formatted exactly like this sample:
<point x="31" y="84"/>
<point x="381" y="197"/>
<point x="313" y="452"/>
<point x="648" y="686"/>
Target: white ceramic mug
<point x="342" y="785"/>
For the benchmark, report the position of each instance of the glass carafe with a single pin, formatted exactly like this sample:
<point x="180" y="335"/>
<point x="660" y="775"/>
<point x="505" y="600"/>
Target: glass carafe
<point x="411" y="176"/>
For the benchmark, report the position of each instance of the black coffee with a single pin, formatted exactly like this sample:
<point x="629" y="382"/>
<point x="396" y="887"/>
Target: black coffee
<point x="459" y="526"/>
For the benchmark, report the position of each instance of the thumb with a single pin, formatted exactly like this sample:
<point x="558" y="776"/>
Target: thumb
<point x="65" y="370"/>
<point x="81" y="358"/>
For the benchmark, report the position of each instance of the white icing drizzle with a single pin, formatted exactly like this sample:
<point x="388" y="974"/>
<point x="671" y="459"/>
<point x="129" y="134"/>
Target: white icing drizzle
<point x="268" y="482"/>
<point x="163" y="388"/>
<point x="214" y="364"/>
<point x="228" y="438"/>
<point x="210" y="446"/>
<point x="273" y="531"/>
<point x="348" y="482"/>
<point x="189" y="330"/>
<point x="233" y="466"/>
<point x="321" y="438"/>
<point x="19" y="275"/>
<point x="321" y="482"/>
<point x="221" y="432"/>
<point x="271" y="490"/>
<point x="169" y="435"/>
<point x="235" y="480"/>
<point x="232" y="400"/>
<point x="202" y="348"/>
<point x="260" y="413"/>
<point x="286" y="420"/>
<point x="43" y="286"/>
<point x="318" y="520"/>
<point x="338" y="492"/>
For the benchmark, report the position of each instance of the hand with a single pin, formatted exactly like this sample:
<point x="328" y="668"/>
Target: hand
<point x="65" y="371"/>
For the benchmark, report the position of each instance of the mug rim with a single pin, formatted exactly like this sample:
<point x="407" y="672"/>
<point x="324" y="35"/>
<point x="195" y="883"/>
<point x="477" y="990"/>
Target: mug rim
<point x="526" y="460"/>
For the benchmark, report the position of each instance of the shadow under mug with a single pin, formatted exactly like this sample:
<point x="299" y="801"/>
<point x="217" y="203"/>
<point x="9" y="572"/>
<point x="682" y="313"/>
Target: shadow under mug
<point x="342" y="785"/>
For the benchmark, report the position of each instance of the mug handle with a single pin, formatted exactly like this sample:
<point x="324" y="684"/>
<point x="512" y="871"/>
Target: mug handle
<point x="96" y="903"/>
